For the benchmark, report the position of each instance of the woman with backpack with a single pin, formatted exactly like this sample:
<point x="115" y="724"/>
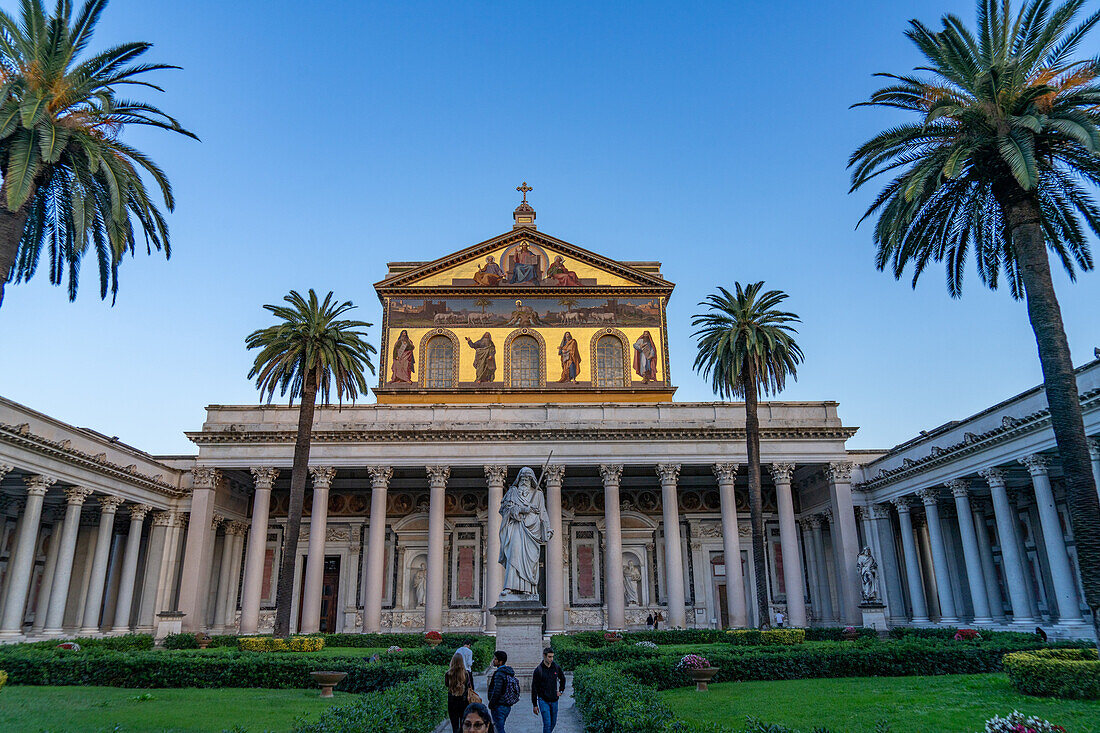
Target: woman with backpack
<point x="460" y="691"/>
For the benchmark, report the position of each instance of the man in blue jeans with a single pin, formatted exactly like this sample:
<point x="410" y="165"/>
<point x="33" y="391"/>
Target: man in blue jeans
<point x="547" y="685"/>
<point x="500" y="691"/>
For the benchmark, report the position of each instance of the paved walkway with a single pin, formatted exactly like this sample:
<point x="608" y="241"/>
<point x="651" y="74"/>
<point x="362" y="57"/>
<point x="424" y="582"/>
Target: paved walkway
<point x="523" y="720"/>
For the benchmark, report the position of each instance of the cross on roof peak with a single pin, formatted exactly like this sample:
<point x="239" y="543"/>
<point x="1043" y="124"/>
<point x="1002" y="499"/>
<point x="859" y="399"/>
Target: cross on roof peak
<point x="524" y="189"/>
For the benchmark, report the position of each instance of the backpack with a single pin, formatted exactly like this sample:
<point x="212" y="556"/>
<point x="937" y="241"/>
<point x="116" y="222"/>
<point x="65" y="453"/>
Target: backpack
<point x="510" y="696"/>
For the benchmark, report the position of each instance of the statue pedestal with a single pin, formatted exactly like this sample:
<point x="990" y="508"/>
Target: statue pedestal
<point x="519" y="634"/>
<point x="874" y="615"/>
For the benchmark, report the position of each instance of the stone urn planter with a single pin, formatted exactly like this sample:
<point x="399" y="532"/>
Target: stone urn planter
<point x="702" y="677"/>
<point x="327" y="680"/>
<point x="203" y="640"/>
<point x="434" y="642"/>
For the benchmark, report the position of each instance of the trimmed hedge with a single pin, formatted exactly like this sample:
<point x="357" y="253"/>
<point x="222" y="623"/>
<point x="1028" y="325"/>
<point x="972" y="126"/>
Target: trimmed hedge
<point x="124" y="643"/>
<point x="272" y="644"/>
<point x="611" y="702"/>
<point x="948" y="634"/>
<point x="181" y="641"/>
<point x="226" y="669"/>
<point x="591" y="647"/>
<point x="402" y="640"/>
<point x="1066" y="673"/>
<point x="836" y="633"/>
<point x="415" y="706"/>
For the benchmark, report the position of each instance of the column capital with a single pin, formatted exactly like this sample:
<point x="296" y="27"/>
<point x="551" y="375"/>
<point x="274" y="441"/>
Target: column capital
<point x="38" y="485"/>
<point x="322" y="476"/>
<point x="216" y="520"/>
<point x="903" y="504"/>
<point x="237" y="529"/>
<point x="782" y="472"/>
<point x="380" y="476"/>
<point x="555" y="472"/>
<point x="827" y="516"/>
<point x="668" y="472"/>
<point x="163" y="519"/>
<point x="859" y="510"/>
<point x="879" y="511"/>
<point x="929" y="495"/>
<point x="1093" y="443"/>
<point x="75" y="495"/>
<point x="495" y="474"/>
<point x="725" y="472"/>
<point x="1036" y="464"/>
<point x="838" y="471"/>
<point x="264" y="476"/>
<point x="993" y="476"/>
<point x="611" y="473"/>
<point x="960" y="488"/>
<point x="809" y="522"/>
<point x="138" y="512"/>
<point x="438" y="475"/>
<point x="204" y="477"/>
<point x="5" y="468"/>
<point x="109" y="504"/>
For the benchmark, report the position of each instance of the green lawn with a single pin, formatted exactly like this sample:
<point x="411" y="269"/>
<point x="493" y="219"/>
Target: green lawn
<point x="329" y="651"/>
<point x="946" y="703"/>
<point x="55" y="709"/>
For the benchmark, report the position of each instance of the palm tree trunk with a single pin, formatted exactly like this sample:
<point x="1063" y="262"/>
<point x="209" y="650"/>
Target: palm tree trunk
<point x="1024" y="216"/>
<point x="756" y="502"/>
<point x="11" y="231"/>
<point x="284" y="593"/>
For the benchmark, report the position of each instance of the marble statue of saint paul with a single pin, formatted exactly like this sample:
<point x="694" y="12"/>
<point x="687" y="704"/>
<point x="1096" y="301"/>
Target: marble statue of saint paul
<point x="524" y="527"/>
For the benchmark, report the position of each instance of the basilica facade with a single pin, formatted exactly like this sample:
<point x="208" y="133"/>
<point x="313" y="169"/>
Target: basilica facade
<point x="526" y="350"/>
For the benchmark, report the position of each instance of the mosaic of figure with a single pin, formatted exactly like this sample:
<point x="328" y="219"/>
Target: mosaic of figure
<point x="645" y="358"/>
<point x="489" y="275"/>
<point x="403" y="361"/>
<point x="523" y="315"/>
<point x="523" y="266"/>
<point x="561" y="275"/>
<point x="485" y="361"/>
<point x="570" y="354"/>
<point x="524" y="528"/>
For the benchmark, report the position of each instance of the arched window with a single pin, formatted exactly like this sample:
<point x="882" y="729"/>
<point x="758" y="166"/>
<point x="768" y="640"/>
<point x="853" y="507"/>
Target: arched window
<point x="441" y="361"/>
<point x="525" y="362"/>
<point x="609" y="362"/>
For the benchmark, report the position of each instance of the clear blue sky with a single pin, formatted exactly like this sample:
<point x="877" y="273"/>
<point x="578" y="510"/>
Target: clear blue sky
<point x="710" y="136"/>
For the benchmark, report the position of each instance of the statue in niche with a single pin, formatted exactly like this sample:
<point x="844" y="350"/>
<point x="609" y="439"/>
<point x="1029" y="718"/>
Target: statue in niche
<point x="420" y="581"/>
<point x="645" y="358"/>
<point x="403" y="361"/>
<point x="485" y="362"/>
<point x="868" y="574"/>
<point x="525" y="526"/>
<point x="490" y="274"/>
<point x="632" y="580"/>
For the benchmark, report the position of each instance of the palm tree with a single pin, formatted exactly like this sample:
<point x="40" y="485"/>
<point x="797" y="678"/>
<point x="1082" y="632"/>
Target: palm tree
<point x="308" y="349"/>
<point x="998" y="162"/>
<point x="745" y="347"/>
<point x="70" y="183"/>
<point x="483" y="303"/>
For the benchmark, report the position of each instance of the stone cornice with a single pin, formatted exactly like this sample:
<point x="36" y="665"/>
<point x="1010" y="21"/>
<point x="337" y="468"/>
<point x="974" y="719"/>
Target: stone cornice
<point x="21" y="437"/>
<point x="1011" y="428"/>
<point x="393" y="434"/>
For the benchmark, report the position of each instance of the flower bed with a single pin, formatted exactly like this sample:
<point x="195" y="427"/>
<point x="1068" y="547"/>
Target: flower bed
<point x="1066" y="673"/>
<point x="272" y="644"/>
<point x="1017" y="722"/>
<point x="414" y="706"/>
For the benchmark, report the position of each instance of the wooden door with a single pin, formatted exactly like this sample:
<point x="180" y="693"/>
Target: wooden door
<point x="723" y="612"/>
<point x="330" y="587"/>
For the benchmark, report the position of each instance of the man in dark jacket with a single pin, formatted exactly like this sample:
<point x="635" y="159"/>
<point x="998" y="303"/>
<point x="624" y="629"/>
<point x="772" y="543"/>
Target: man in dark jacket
<point x="498" y="686"/>
<point x="547" y="685"/>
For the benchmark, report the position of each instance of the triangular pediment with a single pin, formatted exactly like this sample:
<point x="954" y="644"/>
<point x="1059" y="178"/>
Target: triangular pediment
<point x="523" y="258"/>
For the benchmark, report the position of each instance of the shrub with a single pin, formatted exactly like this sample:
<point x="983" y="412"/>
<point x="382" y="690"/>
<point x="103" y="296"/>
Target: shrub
<point x="3" y="678"/>
<point x="414" y="706"/>
<point x="433" y="636"/>
<point x="124" y="643"/>
<point x="610" y="702"/>
<point x="1067" y="673"/>
<point x="1017" y="721"/>
<point x="967" y="635"/>
<point x="181" y="641"/>
<point x="406" y="641"/>
<point x="836" y="633"/>
<point x="766" y="636"/>
<point x="272" y="644"/>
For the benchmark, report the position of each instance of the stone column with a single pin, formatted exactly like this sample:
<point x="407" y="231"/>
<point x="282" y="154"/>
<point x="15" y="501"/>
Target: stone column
<point x="433" y="604"/>
<point x="889" y="568"/>
<point x="264" y="478"/>
<point x="197" y="554"/>
<point x="975" y="576"/>
<point x="824" y="592"/>
<point x="555" y="572"/>
<point x="63" y="571"/>
<point x="168" y="587"/>
<point x="736" y="608"/>
<point x="494" y="574"/>
<point x="1094" y="454"/>
<point x="125" y="601"/>
<point x="1012" y="560"/>
<point x="22" y="558"/>
<point x="845" y="539"/>
<point x="811" y="567"/>
<point x="788" y="540"/>
<point x="225" y="577"/>
<point x="315" y="560"/>
<point x="930" y="496"/>
<point x="238" y="530"/>
<point x="1061" y="572"/>
<point x="93" y="602"/>
<point x="912" y="561"/>
<point x="45" y="585"/>
<point x="989" y="569"/>
<point x="151" y="581"/>
<point x="376" y="548"/>
<point x="674" y="560"/>
<point x="615" y="597"/>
